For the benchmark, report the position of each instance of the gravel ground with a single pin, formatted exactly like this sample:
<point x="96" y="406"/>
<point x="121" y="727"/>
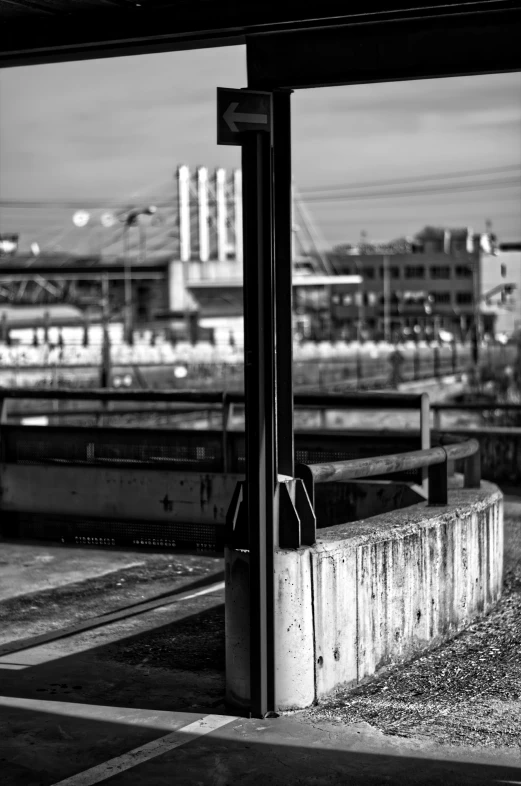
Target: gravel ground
<point x="466" y="692"/>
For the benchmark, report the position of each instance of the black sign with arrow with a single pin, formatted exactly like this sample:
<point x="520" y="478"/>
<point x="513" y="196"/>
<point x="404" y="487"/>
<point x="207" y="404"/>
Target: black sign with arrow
<point x="241" y="110"/>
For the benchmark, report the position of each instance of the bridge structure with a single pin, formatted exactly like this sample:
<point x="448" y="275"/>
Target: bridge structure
<point x="364" y="44"/>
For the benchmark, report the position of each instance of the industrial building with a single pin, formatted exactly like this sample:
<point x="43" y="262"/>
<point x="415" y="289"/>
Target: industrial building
<point x="189" y="279"/>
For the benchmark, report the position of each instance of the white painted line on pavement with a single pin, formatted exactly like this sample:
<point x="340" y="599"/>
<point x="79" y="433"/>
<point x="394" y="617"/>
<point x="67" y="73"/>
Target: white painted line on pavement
<point x="161" y="720"/>
<point x="205" y="591"/>
<point x="149" y="751"/>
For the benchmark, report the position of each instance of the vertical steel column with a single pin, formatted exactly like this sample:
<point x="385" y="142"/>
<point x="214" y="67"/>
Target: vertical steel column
<point x="259" y="383"/>
<point x="282" y="254"/>
<point x="387" y="300"/>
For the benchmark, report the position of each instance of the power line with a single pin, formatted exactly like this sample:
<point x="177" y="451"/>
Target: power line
<point x="125" y="204"/>
<point x="484" y="186"/>
<point x="417" y="178"/>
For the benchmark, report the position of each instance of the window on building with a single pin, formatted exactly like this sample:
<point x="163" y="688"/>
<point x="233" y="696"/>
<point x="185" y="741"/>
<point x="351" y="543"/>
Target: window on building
<point x="463" y="298"/>
<point x="441" y="297"/>
<point x="415" y="271"/>
<point x="368" y="272"/>
<point x="503" y="271"/>
<point x="459" y="245"/>
<point x="394" y="272"/>
<point x="463" y="271"/>
<point x="440" y="271"/>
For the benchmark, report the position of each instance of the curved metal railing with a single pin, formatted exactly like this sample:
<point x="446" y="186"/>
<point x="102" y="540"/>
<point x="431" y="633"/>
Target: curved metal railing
<point x="435" y="459"/>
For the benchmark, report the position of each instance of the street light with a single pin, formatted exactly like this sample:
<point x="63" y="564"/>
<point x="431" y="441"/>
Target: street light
<point x="130" y="220"/>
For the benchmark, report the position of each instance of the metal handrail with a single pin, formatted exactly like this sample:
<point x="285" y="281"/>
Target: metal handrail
<point x="475" y="407"/>
<point x="365" y="400"/>
<point x="435" y="459"/>
<point x="471" y="407"/>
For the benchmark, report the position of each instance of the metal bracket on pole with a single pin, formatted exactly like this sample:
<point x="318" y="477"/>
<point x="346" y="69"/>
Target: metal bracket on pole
<point x="237" y="534"/>
<point x="295" y="519"/>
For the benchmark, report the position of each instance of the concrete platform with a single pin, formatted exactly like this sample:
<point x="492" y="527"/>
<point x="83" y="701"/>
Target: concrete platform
<point x="70" y="707"/>
<point x="75" y="745"/>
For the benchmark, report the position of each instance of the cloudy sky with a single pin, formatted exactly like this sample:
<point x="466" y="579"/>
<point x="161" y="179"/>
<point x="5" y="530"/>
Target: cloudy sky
<point x="116" y="129"/>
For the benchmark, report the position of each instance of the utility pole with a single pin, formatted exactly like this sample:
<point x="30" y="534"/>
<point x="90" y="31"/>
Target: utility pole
<point x="127" y="287"/>
<point x="105" y="348"/>
<point x="476" y="332"/>
<point x="387" y="300"/>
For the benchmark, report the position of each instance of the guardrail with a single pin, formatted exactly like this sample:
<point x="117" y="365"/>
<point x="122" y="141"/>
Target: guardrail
<point x="434" y="459"/>
<point x="355" y="370"/>
<point x="222" y="400"/>
<point x="438" y="409"/>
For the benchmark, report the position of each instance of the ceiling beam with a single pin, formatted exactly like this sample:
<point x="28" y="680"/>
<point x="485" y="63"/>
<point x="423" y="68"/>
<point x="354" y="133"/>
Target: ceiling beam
<point x="96" y="31"/>
<point x="452" y="45"/>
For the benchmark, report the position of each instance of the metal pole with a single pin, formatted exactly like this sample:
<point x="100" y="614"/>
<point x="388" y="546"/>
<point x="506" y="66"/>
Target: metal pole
<point x="128" y="288"/>
<point x="282" y="233"/>
<point x="476" y="333"/>
<point x="387" y="300"/>
<point x="105" y="348"/>
<point x="259" y="383"/>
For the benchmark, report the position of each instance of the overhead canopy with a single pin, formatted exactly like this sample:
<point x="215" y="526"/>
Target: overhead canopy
<point x="38" y="31"/>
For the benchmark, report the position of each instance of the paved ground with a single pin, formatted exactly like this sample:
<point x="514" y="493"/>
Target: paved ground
<point x="140" y="672"/>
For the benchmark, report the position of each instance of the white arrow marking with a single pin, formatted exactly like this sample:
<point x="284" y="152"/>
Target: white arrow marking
<point x="232" y="117"/>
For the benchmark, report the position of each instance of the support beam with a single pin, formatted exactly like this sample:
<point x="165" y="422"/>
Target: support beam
<point x="480" y="41"/>
<point x="283" y="236"/>
<point x="261" y="469"/>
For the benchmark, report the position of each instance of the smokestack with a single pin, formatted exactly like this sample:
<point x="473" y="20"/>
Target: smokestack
<point x="220" y="194"/>
<point x="204" y="215"/>
<point x="237" y="213"/>
<point x="183" y="190"/>
<point x="470" y="240"/>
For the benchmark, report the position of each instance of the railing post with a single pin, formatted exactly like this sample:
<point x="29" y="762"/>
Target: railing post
<point x="416" y="364"/>
<point x="438" y="483"/>
<point x="226" y="413"/>
<point x="436" y="361"/>
<point x="425" y="435"/>
<point x="437" y="419"/>
<point x="473" y="471"/>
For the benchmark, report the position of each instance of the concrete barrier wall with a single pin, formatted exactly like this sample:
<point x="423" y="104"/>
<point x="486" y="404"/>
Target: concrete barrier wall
<point x="370" y="594"/>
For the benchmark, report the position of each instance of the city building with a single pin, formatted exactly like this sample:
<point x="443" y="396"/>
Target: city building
<point x="417" y="287"/>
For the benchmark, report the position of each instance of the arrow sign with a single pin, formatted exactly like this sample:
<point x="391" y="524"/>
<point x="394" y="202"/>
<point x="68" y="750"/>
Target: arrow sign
<point x="239" y="111"/>
<point x="232" y="117"/>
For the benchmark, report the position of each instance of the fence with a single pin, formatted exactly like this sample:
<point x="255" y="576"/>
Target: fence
<point x="341" y="368"/>
<point x="130" y="485"/>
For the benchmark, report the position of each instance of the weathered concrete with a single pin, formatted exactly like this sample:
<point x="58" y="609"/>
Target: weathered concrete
<point x="372" y="593"/>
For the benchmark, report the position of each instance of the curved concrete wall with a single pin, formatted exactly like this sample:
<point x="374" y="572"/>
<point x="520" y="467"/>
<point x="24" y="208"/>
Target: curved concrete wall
<point x="369" y="594"/>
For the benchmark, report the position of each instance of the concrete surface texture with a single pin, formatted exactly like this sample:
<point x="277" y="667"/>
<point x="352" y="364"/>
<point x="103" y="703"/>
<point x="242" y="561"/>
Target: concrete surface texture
<point x="70" y="708"/>
<point x="370" y="594"/>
